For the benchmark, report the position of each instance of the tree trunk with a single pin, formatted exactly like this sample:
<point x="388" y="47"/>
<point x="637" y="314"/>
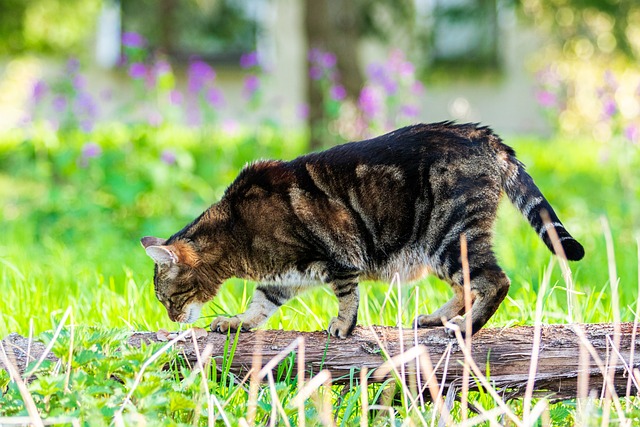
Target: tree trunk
<point x="507" y="352"/>
<point x="331" y="26"/>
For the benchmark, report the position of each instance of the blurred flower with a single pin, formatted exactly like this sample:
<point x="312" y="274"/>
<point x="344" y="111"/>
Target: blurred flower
<point x="328" y="60"/>
<point x="91" y="150"/>
<point x="609" y="108"/>
<point x="40" y="89"/>
<point x="632" y="133"/>
<point x="315" y="73"/>
<point x="198" y="74"/>
<point x="249" y="60"/>
<point x="73" y="65"/>
<point x="175" y="97"/>
<point x="546" y="99"/>
<point x="131" y="39"/>
<point x="251" y="85"/>
<point x="215" y="97"/>
<point x="162" y="67"/>
<point x="338" y="92"/>
<point x="411" y="111"/>
<point x="137" y="70"/>
<point x="417" y="87"/>
<point x="78" y="82"/>
<point x="168" y="157"/>
<point x="59" y="103"/>
<point x="369" y="101"/>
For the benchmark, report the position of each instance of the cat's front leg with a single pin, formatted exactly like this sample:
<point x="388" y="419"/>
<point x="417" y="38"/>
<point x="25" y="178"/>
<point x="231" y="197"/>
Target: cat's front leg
<point x="345" y="286"/>
<point x="264" y="303"/>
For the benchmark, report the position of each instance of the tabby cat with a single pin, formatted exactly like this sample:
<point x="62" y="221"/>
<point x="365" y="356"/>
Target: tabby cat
<point x="397" y="203"/>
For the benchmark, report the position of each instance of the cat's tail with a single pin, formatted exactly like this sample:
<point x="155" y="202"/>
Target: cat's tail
<point x="526" y="196"/>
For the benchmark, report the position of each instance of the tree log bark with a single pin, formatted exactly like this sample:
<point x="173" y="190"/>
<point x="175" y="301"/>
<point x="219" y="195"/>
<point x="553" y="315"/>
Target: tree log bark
<point x="507" y="353"/>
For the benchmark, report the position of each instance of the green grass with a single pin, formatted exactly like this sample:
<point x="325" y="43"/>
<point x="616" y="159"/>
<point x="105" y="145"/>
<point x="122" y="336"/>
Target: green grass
<point x="70" y="239"/>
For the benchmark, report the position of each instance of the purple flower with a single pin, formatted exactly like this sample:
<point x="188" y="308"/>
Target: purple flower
<point x="78" y="82"/>
<point x="59" y="103"/>
<point x="338" y="92"/>
<point x="369" y="101"/>
<point x="168" y="157"/>
<point x="315" y="72"/>
<point x="249" y="60"/>
<point x="175" y="97"/>
<point x="314" y="55"/>
<point x="328" y="60"/>
<point x="406" y="69"/>
<point x="40" y="89"/>
<point x="632" y="133"/>
<point x="376" y="73"/>
<point x="251" y="85"/>
<point x="73" y="65"/>
<point x="411" y="111"/>
<point x="91" y="150"/>
<point x="417" y="87"/>
<point x="609" y="108"/>
<point x="546" y="99"/>
<point x="390" y="86"/>
<point x="199" y="73"/>
<point x="162" y="67"/>
<point x="137" y="70"/>
<point x="215" y="97"/>
<point x="131" y="39"/>
<point x="610" y="79"/>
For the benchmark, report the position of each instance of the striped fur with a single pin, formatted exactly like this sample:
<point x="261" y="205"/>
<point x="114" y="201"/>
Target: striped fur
<point x="398" y="203"/>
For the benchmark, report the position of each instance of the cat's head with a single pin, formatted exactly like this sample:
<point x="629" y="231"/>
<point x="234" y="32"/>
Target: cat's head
<point x="178" y="281"/>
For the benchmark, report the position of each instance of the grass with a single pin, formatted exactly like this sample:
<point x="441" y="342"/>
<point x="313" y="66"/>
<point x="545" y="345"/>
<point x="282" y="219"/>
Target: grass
<point x="70" y="245"/>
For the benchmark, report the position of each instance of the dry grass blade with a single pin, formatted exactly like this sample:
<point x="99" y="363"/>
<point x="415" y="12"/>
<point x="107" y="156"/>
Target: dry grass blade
<point x="635" y="328"/>
<point x="483" y="380"/>
<point x="277" y="405"/>
<point x="34" y="416"/>
<point x="613" y="281"/>
<point x="466" y="274"/>
<point x="310" y="387"/>
<point x="607" y="379"/>
<point x="301" y="360"/>
<point x="403" y="384"/>
<point x="275" y="360"/>
<point x="46" y="351"/>
<point x="145" y="365"/>
<point x="491" y="415"/>
<point x="364" y="398"/>
<point x="537" y="336"/>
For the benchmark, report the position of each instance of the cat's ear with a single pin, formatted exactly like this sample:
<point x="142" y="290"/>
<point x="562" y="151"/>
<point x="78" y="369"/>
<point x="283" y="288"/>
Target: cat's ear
<point x="154" y="246"/>
<point x="162" y="254"/>
<point x="152" y="241"/>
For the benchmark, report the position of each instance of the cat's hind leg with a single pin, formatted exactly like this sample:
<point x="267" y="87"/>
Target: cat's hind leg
<point x="489" y="287"/>
<point x="265" y="301"/>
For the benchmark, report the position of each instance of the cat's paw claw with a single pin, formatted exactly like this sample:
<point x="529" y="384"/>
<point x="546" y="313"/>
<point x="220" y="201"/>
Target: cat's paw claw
<point x="457" y="323"/>
<point x="225" y="324"/>
<point x="339" y="328"/>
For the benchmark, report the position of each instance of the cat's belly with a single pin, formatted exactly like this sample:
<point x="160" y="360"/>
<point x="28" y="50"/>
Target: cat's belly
<point x="408" y="264"/>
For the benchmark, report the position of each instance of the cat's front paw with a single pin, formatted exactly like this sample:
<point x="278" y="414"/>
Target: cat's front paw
<point x="224" y="324"/>
<point x="340" y="328"/>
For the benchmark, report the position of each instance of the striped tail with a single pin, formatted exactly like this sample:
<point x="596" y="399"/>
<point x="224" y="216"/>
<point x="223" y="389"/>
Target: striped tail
<point x="526" y="196"/>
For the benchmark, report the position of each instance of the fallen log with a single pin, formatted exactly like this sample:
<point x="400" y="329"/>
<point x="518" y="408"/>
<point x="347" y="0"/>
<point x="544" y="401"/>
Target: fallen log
<point x="507" y="353"/>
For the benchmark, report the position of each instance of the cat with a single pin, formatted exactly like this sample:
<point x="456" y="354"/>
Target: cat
<point x="398" y="203"/>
